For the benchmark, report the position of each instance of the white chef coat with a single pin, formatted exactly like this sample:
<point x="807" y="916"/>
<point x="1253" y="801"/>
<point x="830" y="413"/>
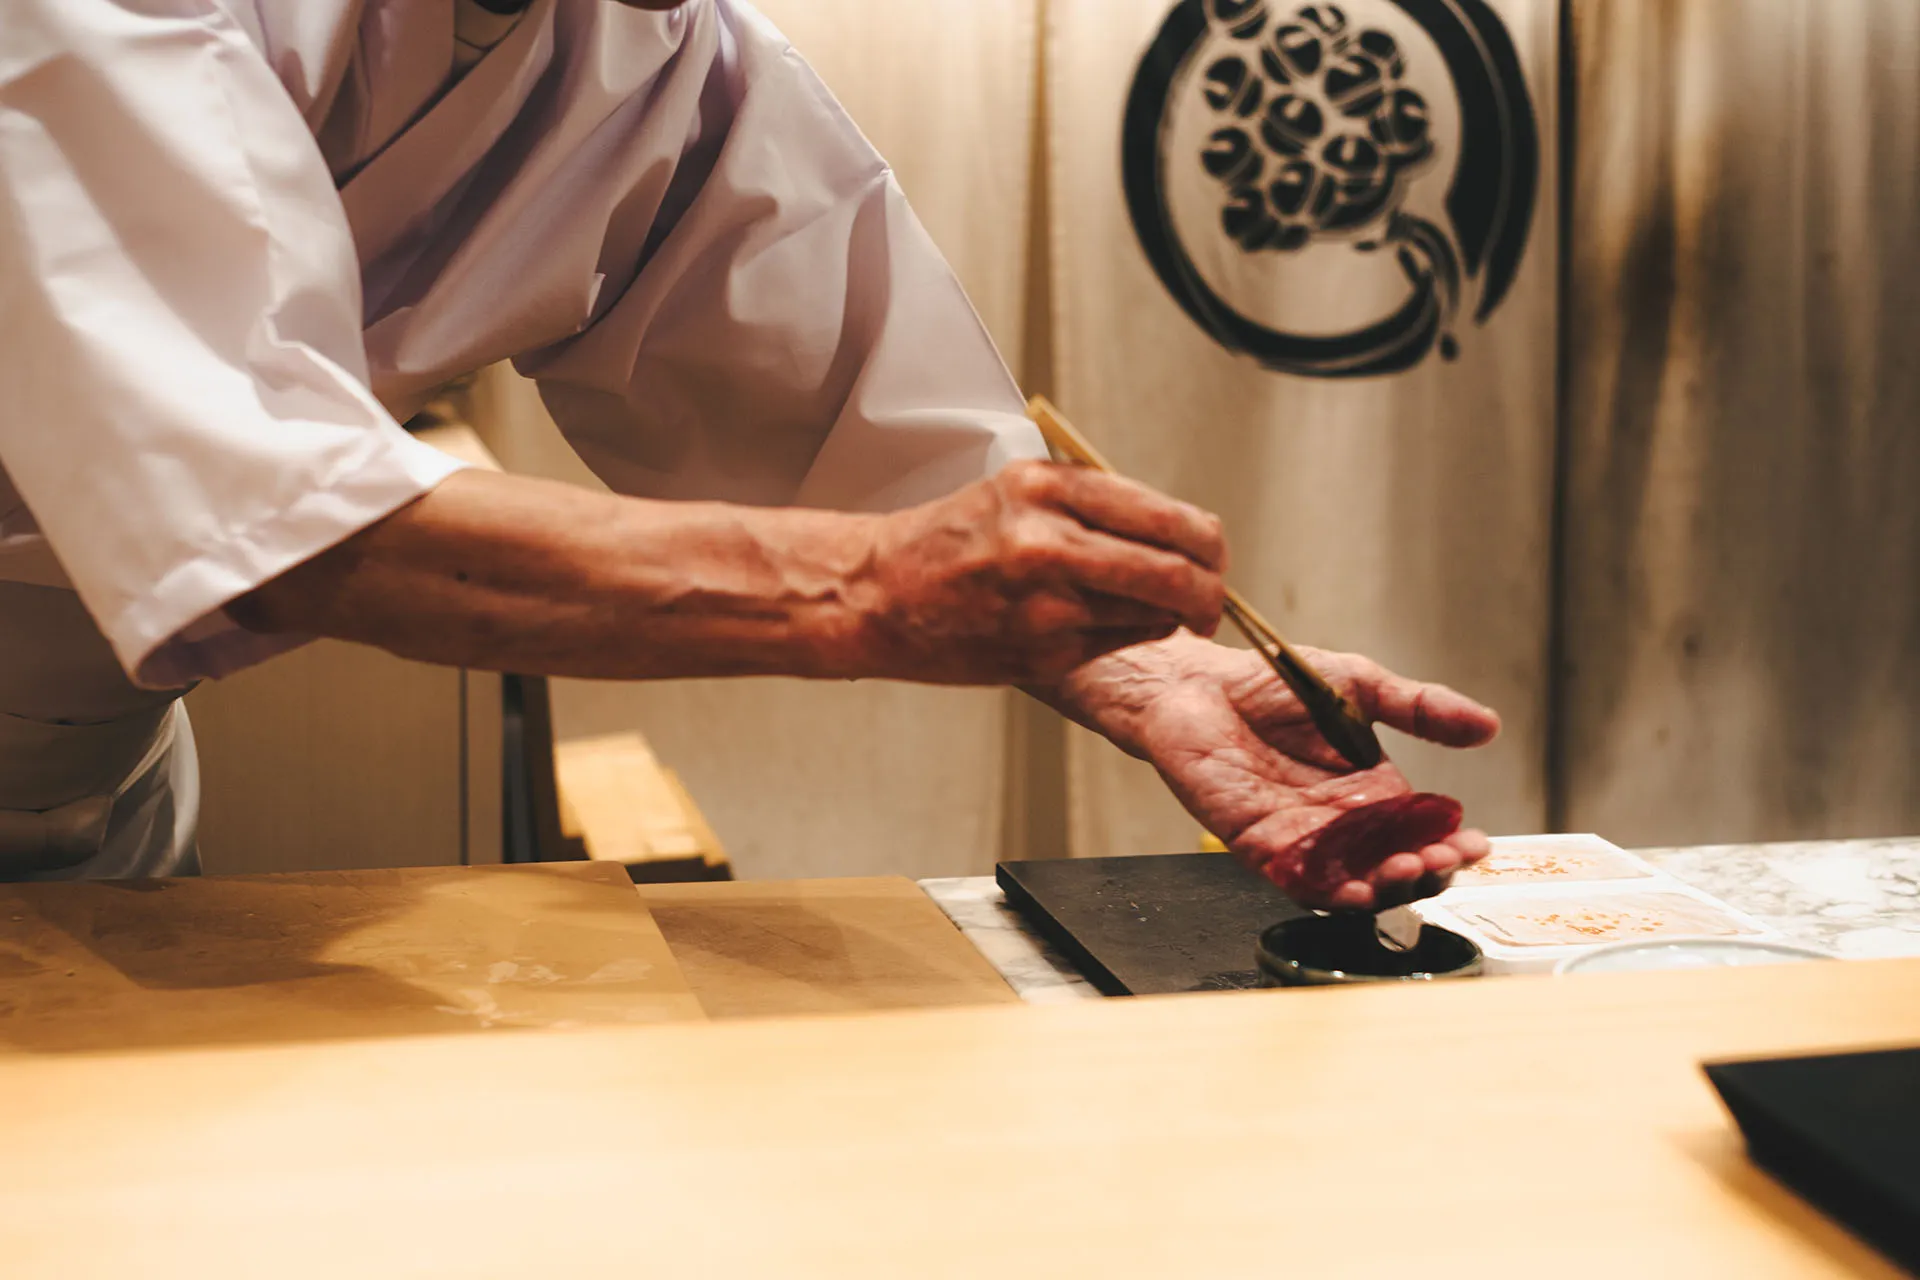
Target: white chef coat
<point x="239" y="239"/>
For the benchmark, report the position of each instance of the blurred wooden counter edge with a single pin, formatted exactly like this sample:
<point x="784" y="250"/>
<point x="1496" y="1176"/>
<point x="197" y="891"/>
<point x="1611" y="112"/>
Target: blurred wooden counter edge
<point x="1525" y="1127"/>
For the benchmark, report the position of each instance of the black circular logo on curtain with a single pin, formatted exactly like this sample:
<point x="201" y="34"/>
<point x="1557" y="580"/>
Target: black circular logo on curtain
<point x="1265" y="141"/>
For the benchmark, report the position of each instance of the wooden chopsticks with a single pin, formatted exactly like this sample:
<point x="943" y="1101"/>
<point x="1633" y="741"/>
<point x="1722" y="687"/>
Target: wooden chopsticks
<point x="1338" y="721"/>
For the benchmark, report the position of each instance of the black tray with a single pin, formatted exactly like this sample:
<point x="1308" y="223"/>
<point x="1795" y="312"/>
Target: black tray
<point x="1841" y="1130"/>
<point x="1153" y="925"/>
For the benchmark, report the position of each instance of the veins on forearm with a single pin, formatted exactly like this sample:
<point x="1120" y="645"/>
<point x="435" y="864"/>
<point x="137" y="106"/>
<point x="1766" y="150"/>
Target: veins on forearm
<point x="1111" y="694"/>
<point x="498" y="572"/>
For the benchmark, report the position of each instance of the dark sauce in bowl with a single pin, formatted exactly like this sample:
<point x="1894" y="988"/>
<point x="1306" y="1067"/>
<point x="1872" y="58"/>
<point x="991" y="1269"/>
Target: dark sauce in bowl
<point x="1333" y="950"/>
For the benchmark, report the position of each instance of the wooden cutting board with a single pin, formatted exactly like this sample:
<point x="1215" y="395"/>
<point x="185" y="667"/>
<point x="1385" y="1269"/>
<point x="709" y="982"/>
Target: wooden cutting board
<point x="326" y="955"/>
<point x="766" y="948"/>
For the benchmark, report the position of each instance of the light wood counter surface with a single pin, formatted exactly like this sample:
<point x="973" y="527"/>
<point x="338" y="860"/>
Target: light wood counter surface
<point x="1520" y="1127"/>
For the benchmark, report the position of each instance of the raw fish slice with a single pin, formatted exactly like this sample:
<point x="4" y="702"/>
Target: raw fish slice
<point x="1353" y="846"/>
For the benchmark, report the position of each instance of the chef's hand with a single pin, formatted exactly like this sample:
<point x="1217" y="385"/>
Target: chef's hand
<point x="1242" y="755"/>
<point x="1030" y="574"/>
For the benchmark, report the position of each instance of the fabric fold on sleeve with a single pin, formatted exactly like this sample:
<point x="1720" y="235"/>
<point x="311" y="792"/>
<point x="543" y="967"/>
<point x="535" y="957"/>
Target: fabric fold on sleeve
<point x="784" y="330"/>
<point x="189" y="413"/>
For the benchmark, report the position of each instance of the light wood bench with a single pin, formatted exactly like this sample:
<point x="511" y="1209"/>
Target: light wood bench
<point x="623" y="806"/>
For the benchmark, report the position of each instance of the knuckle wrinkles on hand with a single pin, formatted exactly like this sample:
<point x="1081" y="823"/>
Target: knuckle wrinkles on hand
<point x="1033" y="548"/>
<point x="1046" y="615"/>
<point x="1030" y="481"/>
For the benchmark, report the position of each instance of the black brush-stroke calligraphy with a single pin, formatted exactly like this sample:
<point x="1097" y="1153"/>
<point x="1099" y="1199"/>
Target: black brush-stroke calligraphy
<point x="1319" y="135"/>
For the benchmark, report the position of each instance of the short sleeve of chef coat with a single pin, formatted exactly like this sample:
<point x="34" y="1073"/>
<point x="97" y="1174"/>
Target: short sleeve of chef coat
<point x="789" y="333"/>
<point x="186" y="409"/>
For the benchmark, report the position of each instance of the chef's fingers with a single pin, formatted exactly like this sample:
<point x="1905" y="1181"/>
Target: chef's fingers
<point x="1127" y="510"/>
<point x="1364" y="895"/>
<point x="1059" y="550"/>
<point x="1429" y="711"/>
<point x="1440" y="859"/>
<point x="1057" y="657"/>
<point x="1400" y="868"/>
<point x="1354" y="895"/>
<point x="1117" y="613"/>
<point x="1052" y="611"/>
<point x="1469" y="846"/>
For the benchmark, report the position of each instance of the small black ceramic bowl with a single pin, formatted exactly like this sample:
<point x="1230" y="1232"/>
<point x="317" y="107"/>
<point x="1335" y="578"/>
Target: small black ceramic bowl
<point x="1343" y="948"/>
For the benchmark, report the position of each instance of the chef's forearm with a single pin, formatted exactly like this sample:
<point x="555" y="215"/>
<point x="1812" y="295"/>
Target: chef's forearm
<point x="509" y="573"/>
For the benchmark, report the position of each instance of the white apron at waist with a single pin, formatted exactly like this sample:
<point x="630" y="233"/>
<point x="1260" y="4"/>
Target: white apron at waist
<point x="26" y="557"/>
<point x="66" y="815"/>
<point x="83" y="796"/>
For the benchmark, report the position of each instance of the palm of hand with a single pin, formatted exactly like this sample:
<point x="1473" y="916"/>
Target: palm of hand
<point x="1242" y="755"/>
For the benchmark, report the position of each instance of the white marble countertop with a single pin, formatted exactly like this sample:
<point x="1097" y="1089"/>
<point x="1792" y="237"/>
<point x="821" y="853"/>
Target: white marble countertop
<point x="1855" y="899"/>
<point x="1039" y="973"/>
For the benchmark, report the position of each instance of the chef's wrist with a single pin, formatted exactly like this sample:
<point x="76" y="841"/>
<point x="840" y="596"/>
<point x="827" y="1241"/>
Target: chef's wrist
<point x="1115" y="694"/>
<point x="1072" y="706"/>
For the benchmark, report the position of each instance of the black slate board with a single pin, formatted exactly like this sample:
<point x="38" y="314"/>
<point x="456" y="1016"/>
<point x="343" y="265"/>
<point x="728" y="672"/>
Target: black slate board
<point x="1155" y="925"/>
<point x="1843" y="1131"/>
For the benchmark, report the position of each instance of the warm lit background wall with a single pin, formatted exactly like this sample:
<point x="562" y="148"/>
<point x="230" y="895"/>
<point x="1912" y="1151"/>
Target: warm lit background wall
<point x="1743" y="455"/>
<point x="1407" y="516"/>
<point x="1664" y="517"/>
